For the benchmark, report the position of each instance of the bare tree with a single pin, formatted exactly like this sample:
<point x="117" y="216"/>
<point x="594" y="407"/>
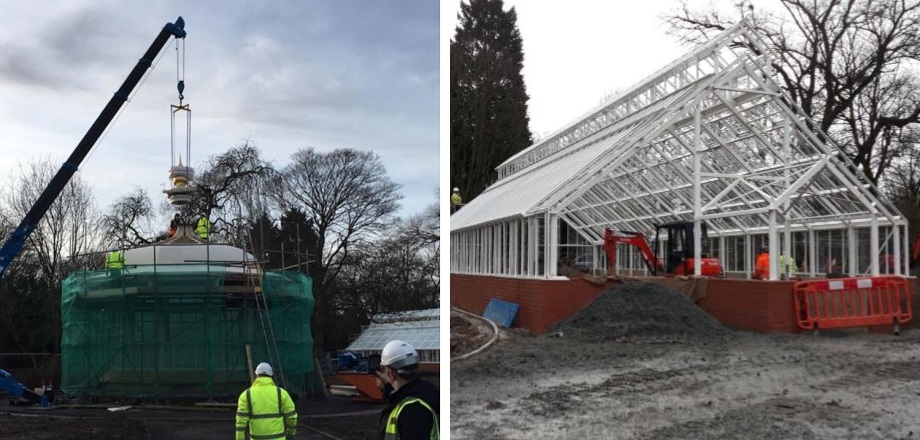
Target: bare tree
<point x="903" y="181"/>
<point x="426" y="226"/>
<point x="70" y="227"/>
<point x="131" y="220"/>
<point x="229" y="190"/>
<point x="391" y="275"/>
<point x="349" y="198"/>
<point x="68" y="232"/>
<point x="232" y="190"/>
<point x="425" y="229"/>
<point x="849" y="64"/>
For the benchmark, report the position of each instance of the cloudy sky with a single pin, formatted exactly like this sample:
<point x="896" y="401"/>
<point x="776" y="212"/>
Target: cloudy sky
<point x="578" y="51"/>
<point x="284" y="74"/>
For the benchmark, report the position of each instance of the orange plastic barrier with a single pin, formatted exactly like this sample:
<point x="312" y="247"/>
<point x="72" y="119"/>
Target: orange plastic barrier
<point x="852" y="302"/>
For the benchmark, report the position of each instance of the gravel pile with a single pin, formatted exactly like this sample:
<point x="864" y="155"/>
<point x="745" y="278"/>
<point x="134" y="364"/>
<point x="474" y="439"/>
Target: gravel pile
<point x="644" y="312"/>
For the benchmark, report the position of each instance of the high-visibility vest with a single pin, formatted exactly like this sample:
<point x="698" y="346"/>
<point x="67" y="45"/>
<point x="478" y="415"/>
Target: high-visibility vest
<point x="115" y="260"/>
<point x="204" y="227"/>
<point x="392" y="431"/>
<point x="455" y="199"/>
<point x="783" y="261"/>
<point x="266" y="410"/>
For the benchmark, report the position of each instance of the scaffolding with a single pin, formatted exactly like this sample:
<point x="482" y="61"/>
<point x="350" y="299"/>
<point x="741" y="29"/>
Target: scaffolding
<point x="169" y="331"/>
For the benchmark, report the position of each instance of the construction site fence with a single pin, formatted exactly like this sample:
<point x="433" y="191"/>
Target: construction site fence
<point x="184" y="332"/>
<point x="852" y="302"/>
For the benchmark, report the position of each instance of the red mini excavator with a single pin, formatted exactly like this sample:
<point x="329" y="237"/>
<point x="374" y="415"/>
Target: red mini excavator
<point x="679" y="250"/>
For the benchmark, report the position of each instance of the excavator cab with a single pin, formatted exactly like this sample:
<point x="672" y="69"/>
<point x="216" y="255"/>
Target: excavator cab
<point x="679" y="247"/>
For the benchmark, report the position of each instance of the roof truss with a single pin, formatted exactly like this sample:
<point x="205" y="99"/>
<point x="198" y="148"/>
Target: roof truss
<point x="709" y="137"/>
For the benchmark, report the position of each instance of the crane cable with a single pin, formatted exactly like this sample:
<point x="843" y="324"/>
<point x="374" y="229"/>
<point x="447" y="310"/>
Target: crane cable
<point x="180" y="70"/>
<point x="180" y="86"/>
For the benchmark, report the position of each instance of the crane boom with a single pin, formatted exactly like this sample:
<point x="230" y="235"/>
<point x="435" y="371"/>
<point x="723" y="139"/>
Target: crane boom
<point x="18" y="237"/>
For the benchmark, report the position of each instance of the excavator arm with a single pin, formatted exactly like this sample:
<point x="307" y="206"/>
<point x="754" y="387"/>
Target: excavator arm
<point x="18" y="237"/>
<point x="637" y="239"/>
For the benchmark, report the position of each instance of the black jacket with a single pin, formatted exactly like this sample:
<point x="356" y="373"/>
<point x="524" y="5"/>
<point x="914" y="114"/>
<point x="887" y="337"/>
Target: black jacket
<point x="415" y="420"/>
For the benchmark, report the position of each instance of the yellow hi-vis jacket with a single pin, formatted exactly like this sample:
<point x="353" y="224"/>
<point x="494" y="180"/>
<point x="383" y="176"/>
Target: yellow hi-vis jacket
<point x="455" y="199"/>
<point x="115" y="260"/>
<point x="266" y="410"/>
<point x="783" y="261"/>
<point x="204" y="228"/>
<point x="392" y="431"/>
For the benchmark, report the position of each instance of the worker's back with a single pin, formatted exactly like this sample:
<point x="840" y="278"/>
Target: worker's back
<point x="204" y="228"/>
<point x="787" y="266"/>
<point x="762" y="266"/>
<point x="115" y="260"/>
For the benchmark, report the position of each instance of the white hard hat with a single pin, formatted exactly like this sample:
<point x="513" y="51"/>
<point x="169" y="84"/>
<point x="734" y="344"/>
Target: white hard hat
<point x="456" y="189"/>
<point x="264" y="369"/>
<point x="398" y="354"/>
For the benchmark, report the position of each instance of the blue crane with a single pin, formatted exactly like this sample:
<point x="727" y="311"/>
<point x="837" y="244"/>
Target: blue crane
<point x="18" y="237"/>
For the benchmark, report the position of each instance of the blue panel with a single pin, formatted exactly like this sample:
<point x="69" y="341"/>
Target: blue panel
<point x="501" y="312"/>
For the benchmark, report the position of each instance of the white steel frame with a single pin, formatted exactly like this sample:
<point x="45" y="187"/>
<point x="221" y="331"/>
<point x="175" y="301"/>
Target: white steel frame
<point x="709" y="138"/>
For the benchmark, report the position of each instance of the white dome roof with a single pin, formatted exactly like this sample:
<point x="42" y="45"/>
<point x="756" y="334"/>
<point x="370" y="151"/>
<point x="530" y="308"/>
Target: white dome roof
<point x="187" y="254"/>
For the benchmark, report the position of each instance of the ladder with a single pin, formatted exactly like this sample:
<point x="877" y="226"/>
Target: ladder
<point x="252" y="270"/>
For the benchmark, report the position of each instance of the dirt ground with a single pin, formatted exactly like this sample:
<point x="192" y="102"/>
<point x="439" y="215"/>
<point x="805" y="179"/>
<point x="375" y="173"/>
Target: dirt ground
<point x="466" y="334"/>
<point x="330" y="418"/>
<point x="645" y="363"/>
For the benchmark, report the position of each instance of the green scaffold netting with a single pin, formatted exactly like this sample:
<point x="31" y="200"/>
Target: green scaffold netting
<point x="183" y="331"/>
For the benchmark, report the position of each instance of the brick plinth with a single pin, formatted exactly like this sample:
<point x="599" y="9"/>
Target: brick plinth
<point x="542" y="302"/>
<point x="764" y="306"/>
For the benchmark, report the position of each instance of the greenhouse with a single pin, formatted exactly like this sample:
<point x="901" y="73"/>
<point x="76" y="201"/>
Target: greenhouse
<point x="420" y="328"/>
<point x="710" y="139"/>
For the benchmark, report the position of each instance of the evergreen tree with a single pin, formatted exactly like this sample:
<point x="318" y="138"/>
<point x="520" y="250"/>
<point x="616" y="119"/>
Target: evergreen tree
<point x="488" y="101"/>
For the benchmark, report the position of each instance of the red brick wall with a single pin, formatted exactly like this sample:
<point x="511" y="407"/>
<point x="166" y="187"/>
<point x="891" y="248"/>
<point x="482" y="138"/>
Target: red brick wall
<point x="764" y="306"/>
<point x="752" y="305"/>
<point x="542" y="302"/>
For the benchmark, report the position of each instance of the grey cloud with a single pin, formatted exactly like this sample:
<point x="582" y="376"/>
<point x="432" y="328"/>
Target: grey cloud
<point x="67" y="50"/>
<point x="283" y="73"/>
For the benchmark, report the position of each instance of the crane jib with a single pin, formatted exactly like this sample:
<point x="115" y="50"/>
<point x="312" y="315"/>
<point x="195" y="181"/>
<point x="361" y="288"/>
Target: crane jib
<point x="18" y="237"/>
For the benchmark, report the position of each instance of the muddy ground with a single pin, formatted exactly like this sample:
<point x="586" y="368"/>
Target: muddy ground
<point x="325" y="419"/>
<point x="467" y="334"/>
<point x="667" y="370"/>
